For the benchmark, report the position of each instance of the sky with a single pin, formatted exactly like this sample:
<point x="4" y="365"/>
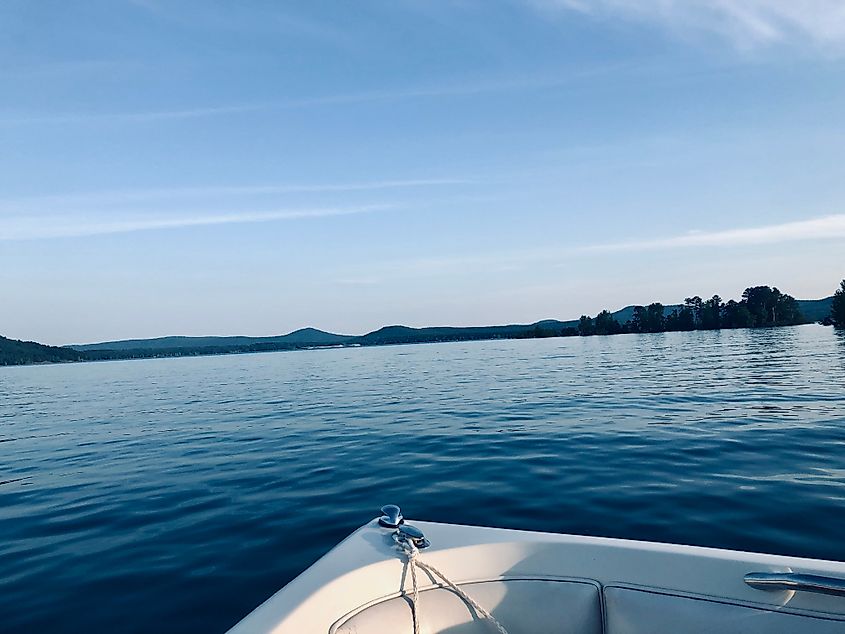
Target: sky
<point x="179" y="167"/>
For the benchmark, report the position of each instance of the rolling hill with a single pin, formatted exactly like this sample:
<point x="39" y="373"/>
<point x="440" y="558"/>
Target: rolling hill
<point x="815" y="309"/>
<point x="297" y="338"/>
<point x="16" y="352"/>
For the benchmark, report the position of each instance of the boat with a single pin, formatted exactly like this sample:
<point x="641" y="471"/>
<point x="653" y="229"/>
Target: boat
<point x="393" y="576"/>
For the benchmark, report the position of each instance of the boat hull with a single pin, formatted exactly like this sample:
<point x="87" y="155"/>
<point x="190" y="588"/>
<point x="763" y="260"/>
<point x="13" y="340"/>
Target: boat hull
<point x="568" y="582"/>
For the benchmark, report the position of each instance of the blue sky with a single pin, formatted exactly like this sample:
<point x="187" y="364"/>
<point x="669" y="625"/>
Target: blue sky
<point x="180" y="167"/>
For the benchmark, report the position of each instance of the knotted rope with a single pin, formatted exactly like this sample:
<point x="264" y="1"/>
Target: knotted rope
<point x="412" y="552"/>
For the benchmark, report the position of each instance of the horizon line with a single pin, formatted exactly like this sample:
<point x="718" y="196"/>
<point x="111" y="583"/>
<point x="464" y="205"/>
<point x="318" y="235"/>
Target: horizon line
<point x="394" y="325"/>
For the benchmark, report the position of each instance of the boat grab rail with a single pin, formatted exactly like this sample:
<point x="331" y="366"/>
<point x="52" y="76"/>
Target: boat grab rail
<point x="797" y="582"/>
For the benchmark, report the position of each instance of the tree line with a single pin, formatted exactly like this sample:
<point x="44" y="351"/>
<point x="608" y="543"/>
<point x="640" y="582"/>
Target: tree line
<point x="760" y="306"/>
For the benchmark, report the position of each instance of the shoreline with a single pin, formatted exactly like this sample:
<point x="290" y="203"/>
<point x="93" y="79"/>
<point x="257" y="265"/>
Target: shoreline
<point x="176" y="353"/>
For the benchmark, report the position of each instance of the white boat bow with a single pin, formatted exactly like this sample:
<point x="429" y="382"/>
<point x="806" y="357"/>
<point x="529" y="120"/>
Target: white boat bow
<point x="534" y="583"/>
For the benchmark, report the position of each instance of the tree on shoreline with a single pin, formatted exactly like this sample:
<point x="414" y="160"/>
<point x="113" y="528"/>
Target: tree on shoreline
<point x="837" y="309"/>
<point x="585" y="326"/>
<point x="770" y="307"/>
<point x="606" y="324"/>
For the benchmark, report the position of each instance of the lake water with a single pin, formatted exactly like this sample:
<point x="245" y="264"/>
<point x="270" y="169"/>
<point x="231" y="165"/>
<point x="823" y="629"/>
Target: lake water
<point x="174" y="495"/>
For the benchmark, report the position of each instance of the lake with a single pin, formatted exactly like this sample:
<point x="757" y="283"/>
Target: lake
<point x="175" y="495"/>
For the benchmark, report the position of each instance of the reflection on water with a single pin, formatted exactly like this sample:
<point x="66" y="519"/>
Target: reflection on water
<point x="839" y="336"/>
<point x="176" y="494"/>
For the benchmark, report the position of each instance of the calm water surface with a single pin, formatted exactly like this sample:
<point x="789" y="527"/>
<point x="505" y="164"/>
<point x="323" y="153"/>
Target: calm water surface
<point x="176" y="494"/>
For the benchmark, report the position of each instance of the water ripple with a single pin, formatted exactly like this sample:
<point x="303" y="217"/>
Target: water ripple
<point x="175" y="495"/>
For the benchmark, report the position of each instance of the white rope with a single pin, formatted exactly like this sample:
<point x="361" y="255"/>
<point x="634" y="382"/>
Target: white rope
<point x="411" y="552"/>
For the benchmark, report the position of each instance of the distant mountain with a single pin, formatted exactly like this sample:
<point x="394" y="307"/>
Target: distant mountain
<point x="815" y="309"/>
<point x="312" y="336"/>
<point x="544" y="328"/>
<point x="405" y="334"/>
<point x="16" y="352"/>
<point x="299" y="338"/>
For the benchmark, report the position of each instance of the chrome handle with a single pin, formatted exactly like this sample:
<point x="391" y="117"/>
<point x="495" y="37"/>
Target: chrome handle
<point x="796" y="581"/>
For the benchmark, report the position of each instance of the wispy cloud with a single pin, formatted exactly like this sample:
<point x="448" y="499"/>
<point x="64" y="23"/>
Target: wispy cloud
<point x="748" y="23"/>
<point x="67" y="67"/>
<point x="123" y="211"/>
<point x="69" y="226"/>
<point x="816" y="229"/>
<point x="128" y="117"/>
<point x="121" y="196"/>
<point x="446" y="89"/>
<point x="824" y="228"/>
<point x="474" y="86"/>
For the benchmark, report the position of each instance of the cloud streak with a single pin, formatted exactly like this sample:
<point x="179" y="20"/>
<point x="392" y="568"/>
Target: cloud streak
<point x="824" y="228"/>
<point x="817" y="229"/>
<point x="456" y="89"/>
<point x="130" y="117"/>
<point x="748" y="23"/>
<point x="109" y="197"/>
<point x="45" y="227"/>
